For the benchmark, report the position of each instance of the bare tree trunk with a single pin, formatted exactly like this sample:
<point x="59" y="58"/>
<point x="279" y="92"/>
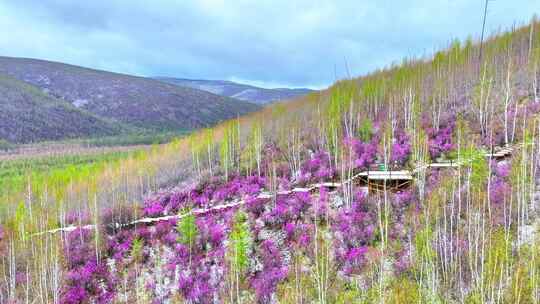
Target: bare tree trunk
<point x="507" y="99"/>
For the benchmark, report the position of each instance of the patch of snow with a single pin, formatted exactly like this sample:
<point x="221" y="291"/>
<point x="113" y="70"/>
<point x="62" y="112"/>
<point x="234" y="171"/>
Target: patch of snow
<point x="80" y="102"/>
<point x="216" y="89"/>
<point x="245" y="94"/>
<point x="527" y="234"/>
<point x="44" y="79"/>
<point x="337" y="201"/>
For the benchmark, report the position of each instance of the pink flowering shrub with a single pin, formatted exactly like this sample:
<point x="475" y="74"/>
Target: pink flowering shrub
<point x="205" y="195"/>
<point x="317" y="168"/>
<point x="273" y="271"/>
<point x="354" y="231"/>
<point x="193" y="249"/>
<point x="440" y="138"/>
<point x="364" y="153"/>
<point x="280" y="228"/>
<point x="120" y="244"/>
<point x="500" y="190"/>
<point x="166" y="203"/>
<point x="440" y="141"/>
<point x="87" y="279"/>
<point x="401" y="149"/>
<point x="288" y="208"/>
<point x="194" y="246"/>
<point x="201" y="264"/>
<point x="274" y="162"/>
<point x="77" y="217"/>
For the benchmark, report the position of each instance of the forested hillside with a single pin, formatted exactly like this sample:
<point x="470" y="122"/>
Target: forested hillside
<point x="416" y="183"/>
<point x="108" y="103"/>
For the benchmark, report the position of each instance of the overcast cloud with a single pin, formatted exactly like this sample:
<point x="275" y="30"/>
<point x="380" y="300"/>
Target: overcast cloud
<point x="269" y="43"/>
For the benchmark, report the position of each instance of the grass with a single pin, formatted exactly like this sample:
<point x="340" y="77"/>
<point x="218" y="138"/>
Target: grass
<point x="144" y="138"/>
<point x="15" y="169"/>
<point x="44" y="173"/>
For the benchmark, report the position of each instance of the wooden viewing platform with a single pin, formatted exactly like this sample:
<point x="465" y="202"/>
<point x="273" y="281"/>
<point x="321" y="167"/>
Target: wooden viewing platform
<point x="386" y="175"/>
<point x="396" y="179"/>
<point x="500" y="152"/>
<point x="377" y="180"/>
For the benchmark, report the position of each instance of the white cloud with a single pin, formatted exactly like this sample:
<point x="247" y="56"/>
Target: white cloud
<point x="295" y="43"/>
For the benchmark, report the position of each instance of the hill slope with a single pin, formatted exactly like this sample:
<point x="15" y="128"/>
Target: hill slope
<point x="27" y="115"/>
<point x="417" y="183"/>
<point x="238" y="90"/>
<point x="137" y="101"/>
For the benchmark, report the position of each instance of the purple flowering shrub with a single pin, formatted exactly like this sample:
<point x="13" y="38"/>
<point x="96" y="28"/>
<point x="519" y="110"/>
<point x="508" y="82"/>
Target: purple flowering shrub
<point x="440" y="139"/>
<point x="273" y="271"/>
<point x="275" y="163"/>
<point x="517" y="114"/>
<point x="196" y="267"/>
<point x="316" y="169"/>
<point x="364" y="154"/>
<point x="165" y="203"/>
<point x="404" y="214"/>
<point x="401" y="149"/>
<point x="295" y="214"/>
<point x="87" y="278"/>
<point x="288" y="208"/>
<point x="281" y="228"/>
<point x="77" y="217"/>
<point x="192" y="248"/>
<point x="298" y="235"/>
<point x="354" y="231"/>
<point x="211" y="193"/>
<point x="205" y="195"/>
<point x="200" y="264"/>
<point x="120" y="245"/>
<point x="533" y="107"/>
<point x="500" y="190"/>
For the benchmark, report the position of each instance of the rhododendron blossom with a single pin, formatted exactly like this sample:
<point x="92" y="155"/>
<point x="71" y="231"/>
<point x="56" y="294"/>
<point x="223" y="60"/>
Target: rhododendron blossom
<point x="364" y="153"/>
<point x="401" y="149"/>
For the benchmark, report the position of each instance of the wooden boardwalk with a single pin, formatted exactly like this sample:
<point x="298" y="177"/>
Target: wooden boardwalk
<point x="500" y="152"/>
<point x="376" y="180"/>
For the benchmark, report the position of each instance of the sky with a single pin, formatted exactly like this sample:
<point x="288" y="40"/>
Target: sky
<point x="276" y="43"/>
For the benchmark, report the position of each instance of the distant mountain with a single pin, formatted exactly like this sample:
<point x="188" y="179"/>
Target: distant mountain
<point x="237" y="90"/>
<point x="115" y="103"/>
<point x="27" y="114"/>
